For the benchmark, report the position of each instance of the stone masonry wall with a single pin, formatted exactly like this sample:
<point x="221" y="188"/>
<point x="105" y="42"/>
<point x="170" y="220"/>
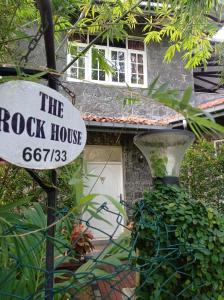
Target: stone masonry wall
<point x="108" y="100"/>
<point x="105" y="100"/>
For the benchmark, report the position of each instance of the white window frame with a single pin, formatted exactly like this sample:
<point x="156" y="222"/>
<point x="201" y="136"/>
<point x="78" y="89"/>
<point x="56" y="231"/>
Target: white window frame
<point x="87" y="61"/>
<point x="91" y="68"/>
<point x="144" y="67"/>
<point x="125" y="62"/>
<point x="108" y="77"/>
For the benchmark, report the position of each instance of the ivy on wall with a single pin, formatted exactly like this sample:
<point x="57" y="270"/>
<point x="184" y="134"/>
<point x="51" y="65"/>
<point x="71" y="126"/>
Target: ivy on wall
<point x="180" y="244"/>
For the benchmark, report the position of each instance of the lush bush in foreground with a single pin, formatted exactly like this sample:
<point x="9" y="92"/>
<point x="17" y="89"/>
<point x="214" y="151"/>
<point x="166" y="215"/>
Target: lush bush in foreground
<point x="181" y="246"/>
<point x="202" y="174"/>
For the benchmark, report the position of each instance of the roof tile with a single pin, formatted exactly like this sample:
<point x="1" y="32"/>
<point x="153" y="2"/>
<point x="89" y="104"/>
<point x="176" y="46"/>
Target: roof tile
<point x="129" y="120"/>
<point x="212" y="103"/>
<point x="145" y="121"/>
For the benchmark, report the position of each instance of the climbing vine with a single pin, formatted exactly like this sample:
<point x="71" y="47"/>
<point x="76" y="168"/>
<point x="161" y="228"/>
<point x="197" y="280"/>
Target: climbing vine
<point x="180" y="245"/>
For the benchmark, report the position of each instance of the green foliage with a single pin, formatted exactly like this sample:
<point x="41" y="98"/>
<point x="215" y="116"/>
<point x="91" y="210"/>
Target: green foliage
<point x="98" y="57"/>
<point x="71" y="184"/>
<point x="185" y="24"/>
<point x="188" y="28"/>
<point x="180" y="243"/>
<point x="16" y="185"/>
<point x="97" y="17"/>
<point x="158" y="164"/>
<point x="14" y="15"/>
<point x="22" y="256"/>
<point x="113" y="255"/>
<point x="202" y="173"/>
<point x="23" y="231"/>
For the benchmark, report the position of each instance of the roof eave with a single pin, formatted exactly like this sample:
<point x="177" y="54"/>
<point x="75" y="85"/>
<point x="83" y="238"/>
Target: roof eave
<point x="115" y="127"/>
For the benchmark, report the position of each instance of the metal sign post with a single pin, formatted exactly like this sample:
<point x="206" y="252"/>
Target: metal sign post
<point x="47" y="25"/>
<point x="48" y="31"/>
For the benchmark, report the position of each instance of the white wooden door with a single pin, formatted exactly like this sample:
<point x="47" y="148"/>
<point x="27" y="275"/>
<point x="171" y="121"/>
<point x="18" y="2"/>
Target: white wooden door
<point x="108" y="181"/>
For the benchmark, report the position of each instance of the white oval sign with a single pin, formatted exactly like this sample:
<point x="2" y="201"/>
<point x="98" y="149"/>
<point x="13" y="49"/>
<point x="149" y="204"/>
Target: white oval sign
<point x="39" y="128"/>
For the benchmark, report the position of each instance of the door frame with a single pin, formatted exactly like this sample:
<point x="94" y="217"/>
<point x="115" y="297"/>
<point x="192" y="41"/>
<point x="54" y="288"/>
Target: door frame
<point x="110" y="162"/>
<point x="104" y="164"/>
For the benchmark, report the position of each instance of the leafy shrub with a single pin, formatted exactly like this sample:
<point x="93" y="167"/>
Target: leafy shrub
<point x="16" y="185"/>
<point x="180" y="244"/>
<point x="202" y="174"/>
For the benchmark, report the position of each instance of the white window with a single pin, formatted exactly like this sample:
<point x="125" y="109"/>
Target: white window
<point x="127" y="58"/>
<point x="118" y="59"/>
<point x="97" y="73"/>
<point x="78" y="69"/>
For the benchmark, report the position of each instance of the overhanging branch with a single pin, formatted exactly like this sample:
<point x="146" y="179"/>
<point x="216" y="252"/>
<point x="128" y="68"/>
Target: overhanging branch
<point x="99" y="36"/>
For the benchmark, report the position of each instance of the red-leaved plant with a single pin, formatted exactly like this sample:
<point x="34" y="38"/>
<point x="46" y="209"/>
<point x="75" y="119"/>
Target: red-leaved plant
<point x="81" y="241"/>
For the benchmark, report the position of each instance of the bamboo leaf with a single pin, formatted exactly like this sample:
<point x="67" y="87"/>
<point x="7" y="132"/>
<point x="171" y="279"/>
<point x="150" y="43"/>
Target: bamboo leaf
<point x="207" y="123"/>
<point x="87" y="199"/>
<point x="152" y="86"/>
<point x="97" y="216"/>
<point x="186" y="96"/>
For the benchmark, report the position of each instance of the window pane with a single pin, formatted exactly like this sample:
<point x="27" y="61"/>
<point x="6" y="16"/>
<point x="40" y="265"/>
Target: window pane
<point x="102" y="52"/>
<point x="140" y="69"/>
<point x="75" y="64"/>
<point x="81" y="73"/>
<point x="122" y="77"/>
<point x="140" y="58"/>
<point x="82" y="62"/>
<point x="79" y="63"/>
<point x="74" y="72"/>
<point x="81" y="48"/>
<point x="95" y="75"/>
<point x="115" y="64"/>
<point x="97" y="72"/>
<point x="94" y="63"/>
<point x="137" y="68"/>
<point x="115" y="77"/>
<point x="133" y="68"/>
<point x="114" y="55"/>
<point x="140" y="79"/>
<point x="133" y="78"/>
<point x="102" y="75"/>
<point x="118" y="61"/>
<point x="121" y="67"/>
<point x="133" y="57"/>
<point x="121" y="55"/>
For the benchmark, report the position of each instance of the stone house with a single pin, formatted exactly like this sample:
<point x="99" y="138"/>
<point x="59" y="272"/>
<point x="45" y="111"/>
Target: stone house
<point x="116" y="107"/>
